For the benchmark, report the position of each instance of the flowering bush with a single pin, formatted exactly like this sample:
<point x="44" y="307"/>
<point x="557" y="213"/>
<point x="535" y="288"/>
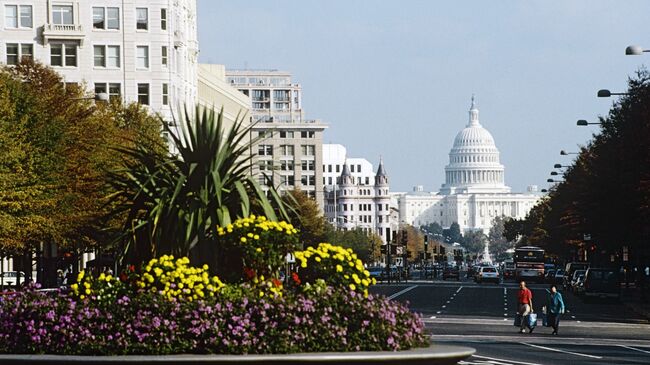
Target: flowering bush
<point x="337" y="266"/>
<point x="321" y="319"/>
<point x="254" y="246"/>
<point x="175" y="279"/>
<point x="104" y="288"/>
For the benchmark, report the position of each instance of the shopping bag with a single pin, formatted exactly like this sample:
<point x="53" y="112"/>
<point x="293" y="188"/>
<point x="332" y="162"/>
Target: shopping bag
<point x="545" y="321"/>
<point x="532" y="320"/>
<point x="517" y="320"/>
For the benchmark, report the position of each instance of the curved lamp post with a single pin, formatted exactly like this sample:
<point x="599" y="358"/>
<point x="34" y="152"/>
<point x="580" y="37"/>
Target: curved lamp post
<point x="554" y="181"/>
<point x="583" y="122"/>
<point x="635" y="51"/>
<point x="565" y="153"/>
<point x="558" y="166"/>
<point x="554" y="173"/>
<point x="604" y="93"/>
<point x="544" y="190"/>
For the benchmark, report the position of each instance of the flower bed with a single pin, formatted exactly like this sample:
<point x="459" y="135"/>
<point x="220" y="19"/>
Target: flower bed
<point x="169" y="307"/>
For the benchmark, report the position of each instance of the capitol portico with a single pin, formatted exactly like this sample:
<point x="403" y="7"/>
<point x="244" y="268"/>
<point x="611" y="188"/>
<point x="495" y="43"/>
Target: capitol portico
<point x="474" y="191"/>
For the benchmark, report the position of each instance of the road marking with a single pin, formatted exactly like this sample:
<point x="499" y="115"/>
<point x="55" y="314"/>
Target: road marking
<point x="438" y="312"/>
<point x="447" y="302"/>
<point x="635" y="349"/>
<point x="510" y="361"/>
<point x="444" y="306"/>
<point x="459" y="289"/>
<point x="562" y="351"/>
<point x="402" y="292"/>
<point x="433" y="317"/>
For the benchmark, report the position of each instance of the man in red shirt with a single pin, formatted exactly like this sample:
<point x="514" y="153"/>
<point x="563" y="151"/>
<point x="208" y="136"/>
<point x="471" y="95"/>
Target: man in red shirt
<point x="525" y="300"/>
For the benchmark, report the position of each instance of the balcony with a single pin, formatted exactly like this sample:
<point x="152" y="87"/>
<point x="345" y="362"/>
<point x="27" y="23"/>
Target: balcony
<point x="66" y="32"/>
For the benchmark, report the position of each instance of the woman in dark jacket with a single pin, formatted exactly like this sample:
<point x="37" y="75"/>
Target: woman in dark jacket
<point x="554" y="308"/>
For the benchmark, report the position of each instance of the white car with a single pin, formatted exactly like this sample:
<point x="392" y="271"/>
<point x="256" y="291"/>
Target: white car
<point x="488" y="273"/>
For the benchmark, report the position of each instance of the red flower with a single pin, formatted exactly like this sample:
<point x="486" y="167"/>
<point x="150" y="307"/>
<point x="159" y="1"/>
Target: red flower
<point x="123" y="277"/>
<point x="249" y="273"/>
<point x="276" y="282"/>
<point x="296" y="278"/>
<point x="131" y="268"/>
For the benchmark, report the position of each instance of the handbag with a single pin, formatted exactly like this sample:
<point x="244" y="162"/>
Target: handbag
<point x="532" y="320"/>
<point x="545" y="321"/>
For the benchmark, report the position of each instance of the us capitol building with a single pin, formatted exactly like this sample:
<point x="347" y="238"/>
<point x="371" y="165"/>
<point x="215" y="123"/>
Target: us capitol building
<point x="474" y="192"/>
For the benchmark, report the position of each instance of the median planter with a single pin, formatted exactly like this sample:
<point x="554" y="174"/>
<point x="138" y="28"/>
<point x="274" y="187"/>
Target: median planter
<point x="433" y="355"/>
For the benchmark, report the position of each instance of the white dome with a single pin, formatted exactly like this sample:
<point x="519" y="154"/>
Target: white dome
<point x="474" y="161"/>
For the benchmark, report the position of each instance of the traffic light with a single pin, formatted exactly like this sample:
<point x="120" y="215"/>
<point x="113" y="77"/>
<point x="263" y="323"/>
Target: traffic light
<point x="405" y="236"/>
<point x="382" y="249"/>
<point x="426" y="243"/>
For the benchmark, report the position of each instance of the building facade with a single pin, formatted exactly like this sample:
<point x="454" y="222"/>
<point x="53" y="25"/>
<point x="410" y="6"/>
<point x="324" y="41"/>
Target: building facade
<point x="140" y="50"/>
<point x="356" y="200"/>
<point x="216" y="93"/>
<point x="474" y="192"/>
<point x="288" y="151"/>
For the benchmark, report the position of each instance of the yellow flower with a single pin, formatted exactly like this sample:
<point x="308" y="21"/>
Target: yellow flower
<point x="258" y="249"/>
<point x="352" y="287"/>
<point x="339" y="268"/>
<point x="243" y="239"/>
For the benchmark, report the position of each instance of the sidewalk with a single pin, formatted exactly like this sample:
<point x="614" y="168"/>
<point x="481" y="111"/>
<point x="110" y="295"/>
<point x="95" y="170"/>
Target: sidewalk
<point x="631" y="298"/>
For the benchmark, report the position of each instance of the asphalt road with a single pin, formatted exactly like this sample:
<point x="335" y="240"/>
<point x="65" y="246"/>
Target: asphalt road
<point x="481" y="316"/>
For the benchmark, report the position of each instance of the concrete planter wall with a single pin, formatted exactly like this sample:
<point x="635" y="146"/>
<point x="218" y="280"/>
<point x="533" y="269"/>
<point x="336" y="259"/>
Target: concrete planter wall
<point x="436" y="354"/>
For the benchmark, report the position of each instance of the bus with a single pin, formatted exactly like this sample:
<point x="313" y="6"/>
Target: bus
<point x="529" y="263"/>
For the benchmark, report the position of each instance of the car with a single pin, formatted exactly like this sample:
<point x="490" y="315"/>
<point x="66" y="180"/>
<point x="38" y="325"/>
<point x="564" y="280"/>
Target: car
<point x="488" y="273"/>
<point x="471" y="271"/>
<point x="570" y="281"/>
<point x="602" y="283"/>
<point x="559" y="277"/>
<point x="572" y="267"/>
<point x="550" y="276"/>
<point x="8" y="278"/>
<point x="509" y="270"/>
<point x="379" y="273"/>
<point x="578" y="286"/>
<point x="451" y="272"/>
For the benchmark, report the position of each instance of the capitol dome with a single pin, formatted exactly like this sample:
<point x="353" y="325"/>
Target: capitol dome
<point x="474" y="165"/>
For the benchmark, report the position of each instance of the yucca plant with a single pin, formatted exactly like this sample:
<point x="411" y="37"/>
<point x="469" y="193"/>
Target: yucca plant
<point x="173" y="203"/>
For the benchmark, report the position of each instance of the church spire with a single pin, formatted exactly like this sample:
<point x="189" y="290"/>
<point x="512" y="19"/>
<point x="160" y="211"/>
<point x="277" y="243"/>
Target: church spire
<point x="473" y="114"/>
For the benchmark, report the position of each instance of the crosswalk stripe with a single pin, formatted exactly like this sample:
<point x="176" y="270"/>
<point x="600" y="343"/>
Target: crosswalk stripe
<point x="562" y="351"/>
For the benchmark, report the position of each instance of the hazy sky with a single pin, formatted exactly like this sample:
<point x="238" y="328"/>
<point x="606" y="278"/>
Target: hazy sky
<point x="395" y="78"/>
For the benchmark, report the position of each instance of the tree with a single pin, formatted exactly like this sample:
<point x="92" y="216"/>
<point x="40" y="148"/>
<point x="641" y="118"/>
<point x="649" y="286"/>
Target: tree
<point x="433" y="228"/>
<point x="174" y="203"/>
<point x="498" y="244"/>
<point x="306" y="217"/>
<point x="474" y="242"/>
<point x="452" y="234"/>
<point x="366" y="246"/>
<point x="414" y="242"/>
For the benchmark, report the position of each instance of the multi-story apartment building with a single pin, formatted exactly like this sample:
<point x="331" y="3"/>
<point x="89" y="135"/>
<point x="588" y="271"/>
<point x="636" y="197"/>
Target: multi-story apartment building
<point x="355" y="195"/>
<point x="215" y="93"/>
<point x="139" y="50"/>
<point x="288" y="154"/>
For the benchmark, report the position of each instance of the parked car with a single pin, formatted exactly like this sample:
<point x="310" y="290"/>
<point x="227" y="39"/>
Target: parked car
<point x="550" y="276"/>
<point x="602" y="283"/>
<point x="9" y="278"/>
<point x="509" y="270"/>
<point x="571" y="281"/>
<point x="559" y="277"/>
<point x="488" y="273"/>
<point x="578" y="285"/>
<point x="378" y="273"/>
<point x="451" y="272"/>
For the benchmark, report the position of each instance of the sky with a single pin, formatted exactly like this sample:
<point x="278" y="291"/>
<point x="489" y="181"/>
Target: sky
<point x="394" y="78"/>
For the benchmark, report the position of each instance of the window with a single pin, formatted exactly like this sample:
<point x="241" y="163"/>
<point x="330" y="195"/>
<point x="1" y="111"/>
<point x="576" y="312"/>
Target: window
<point x="329" y="168"/>
<point x="142" y="18"/>
<point x="113" y="18"/>
<point x="287" y="149"/>
<point x="62" y="14"/>
<point x="265" y="150"/>
<point x="100" y="56"/>
<point x="265" y="165"/>
<point x="18" y="16"/>
<point x="286" y="134"/>
<point x="11" y="16"/>
<point x="307" y="134"/>
<point x="352" y="168"/>
<point x="308" y="180"/>
<point x="143" y="94"/>
<point x="163" y="56"/>
<point x="114" y="91"/>
<point x="308" y="150"/>
<point x="113" y="56"/>
<point x="99" y="18"/>
<point x="163" y="19"/>
<point x="338" y="168"/>
<point x="17" y="52"/>
<point x="63" y="54"/>
<point x="288" y="180"/>
<point x="165" y="94"/>
<point x="100" y="88"/>
<point x="308" y="165"/>
<point x="286" y="165"/>
<point x="12" y="53"/>
<point x="143" y="57"/>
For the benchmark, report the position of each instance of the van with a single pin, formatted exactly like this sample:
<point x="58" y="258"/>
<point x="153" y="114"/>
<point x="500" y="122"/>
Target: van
<point x="602" y="283"/>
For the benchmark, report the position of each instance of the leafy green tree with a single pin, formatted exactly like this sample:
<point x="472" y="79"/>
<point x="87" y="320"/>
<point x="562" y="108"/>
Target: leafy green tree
<point x="433" y="228"/>
<point x="366" y="246"/>
<point x="453" y="234"/>
<point x="474" y="242"/>
<point x="499" y="244"/>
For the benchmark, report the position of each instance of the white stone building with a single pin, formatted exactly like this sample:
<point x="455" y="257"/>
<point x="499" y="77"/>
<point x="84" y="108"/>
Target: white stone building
<point x="139" y="50"/>
<point x="289" y="153"/>
<point x="356" y="200"/>
<point x="474" y="191"/>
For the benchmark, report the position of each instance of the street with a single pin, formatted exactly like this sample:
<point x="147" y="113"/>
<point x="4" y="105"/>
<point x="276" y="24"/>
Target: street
<point x="481" y="316"/>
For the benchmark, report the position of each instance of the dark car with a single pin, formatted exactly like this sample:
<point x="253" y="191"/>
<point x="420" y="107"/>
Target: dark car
<point x="602" y="283"/>
<point x="550" y="276"/>
<point x="378" y="273"/>
<point x="451" y="273"/>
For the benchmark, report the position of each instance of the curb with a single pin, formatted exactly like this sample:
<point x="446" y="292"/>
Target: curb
<point x="435" y="354"/>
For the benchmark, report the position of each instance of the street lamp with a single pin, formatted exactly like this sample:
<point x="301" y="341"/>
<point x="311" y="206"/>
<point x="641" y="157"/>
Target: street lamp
<point x="544" y="190"/>
<point x="583" y="123"/>
<point x="604" y="93"/>
<point x="554" y="173"/>
<point x="554" y="181"/>
<point x="635" y="51"/>
<point x="558" y="166"/>
<point x="565" y="153"/>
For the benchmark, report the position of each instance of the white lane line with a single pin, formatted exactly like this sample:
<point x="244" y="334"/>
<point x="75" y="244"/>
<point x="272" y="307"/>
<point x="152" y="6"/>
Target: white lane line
<point x="433" y="317"/>
<point x="635" y="349"/>
<point x="562" y="351"/>
<point x="447" y="302"/>
<point x="505" y="292"/>
<point x="438" y="312"/>
<point x="444" y="306"/>
<point x="459" y="289"/>
<point x="402" y="292"/>
<point x="507" y="361"/>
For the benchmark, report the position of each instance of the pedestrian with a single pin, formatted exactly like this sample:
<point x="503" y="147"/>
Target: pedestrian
<point x="525" y="300"/>
<point x="554" y="308"/>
